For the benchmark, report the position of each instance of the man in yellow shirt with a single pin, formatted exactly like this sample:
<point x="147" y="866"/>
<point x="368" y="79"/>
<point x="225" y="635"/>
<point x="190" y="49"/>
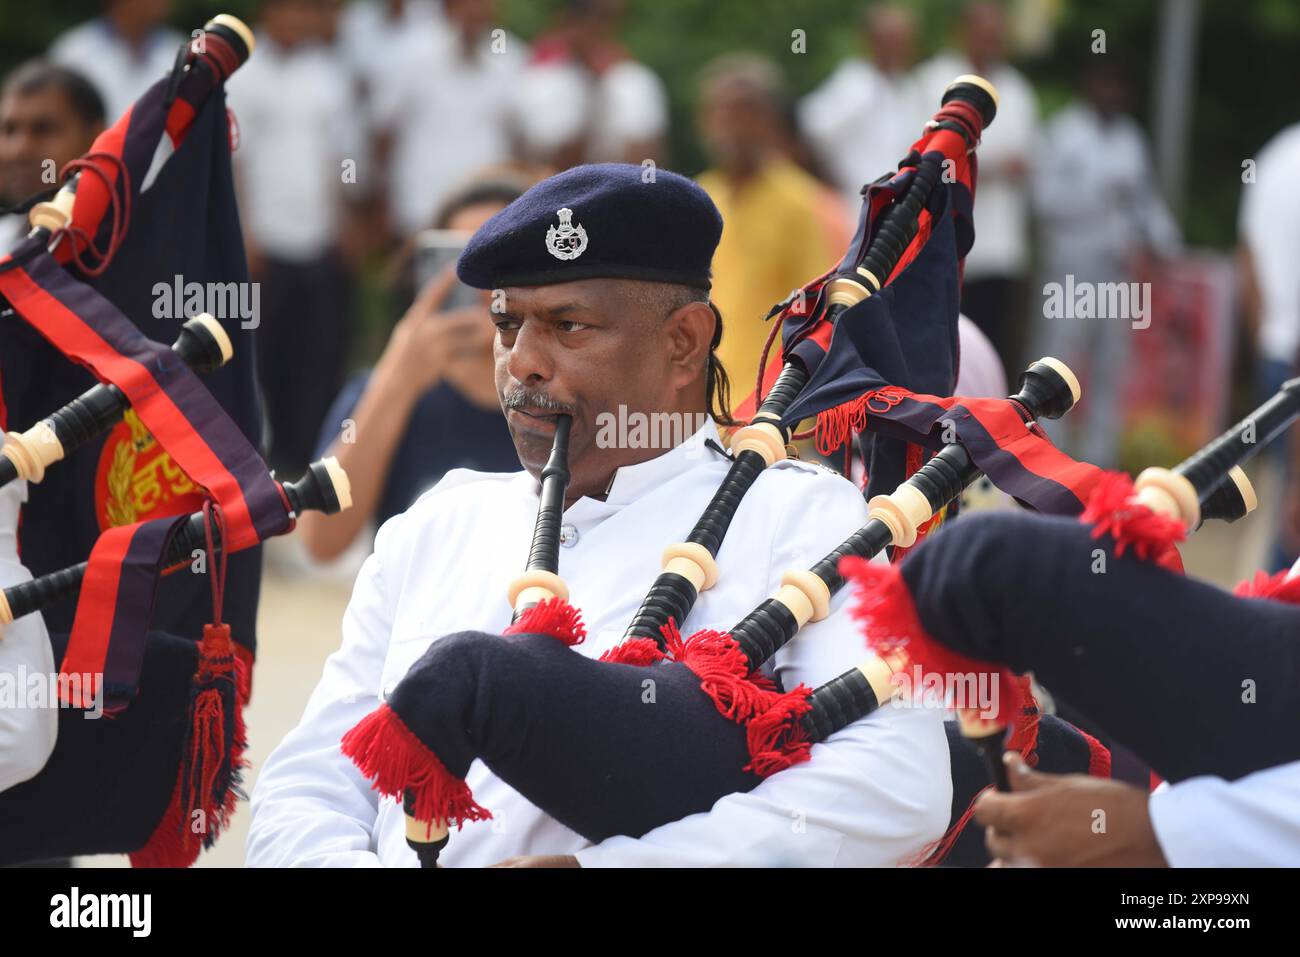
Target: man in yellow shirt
<point x="781" y="226"/>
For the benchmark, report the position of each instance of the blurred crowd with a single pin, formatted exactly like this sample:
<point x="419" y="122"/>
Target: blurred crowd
<point x="363" y="125"/>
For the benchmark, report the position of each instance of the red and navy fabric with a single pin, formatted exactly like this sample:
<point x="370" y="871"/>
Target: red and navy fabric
<point x="122" y="579"/>
<point x="888" y="371"/>
<point x="184" y="223"/>
<point x="1156" y="660"/>
<point x="904" y="337"/>
<point x="155" y="206"/>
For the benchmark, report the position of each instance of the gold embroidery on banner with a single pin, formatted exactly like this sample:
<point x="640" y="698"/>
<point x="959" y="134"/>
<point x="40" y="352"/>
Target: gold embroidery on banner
<point x="141" y="478"/>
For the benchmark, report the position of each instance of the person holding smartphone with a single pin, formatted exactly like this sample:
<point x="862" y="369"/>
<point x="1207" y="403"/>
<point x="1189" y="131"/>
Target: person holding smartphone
<point x="429" y="405"/>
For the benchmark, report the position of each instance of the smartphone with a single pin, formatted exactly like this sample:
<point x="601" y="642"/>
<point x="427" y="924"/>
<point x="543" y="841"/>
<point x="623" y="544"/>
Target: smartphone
<point x="435" y="250"/>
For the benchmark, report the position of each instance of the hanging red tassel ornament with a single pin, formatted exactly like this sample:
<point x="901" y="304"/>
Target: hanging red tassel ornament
<point x="388" y="753"/>
<point x="209" y="782"/>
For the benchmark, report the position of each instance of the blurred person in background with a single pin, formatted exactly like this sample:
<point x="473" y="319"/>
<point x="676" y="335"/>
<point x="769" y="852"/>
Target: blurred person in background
<point x="369" y="30"/>
<point x="1099" y="217"/>
<point x="329" y="17"/>
<point x="777" y="236"/>
<point x="1268" y="254"/>
<point x="443" y="109"/>
<point x="122" y="52"/>
<point x="584" y="99"/>
<point x="49" y="116"/>
<point x="996" y="268"/>
<point x="863" y="118"/>
<point x="298" y="131"/>
<point x="429" y="405"/>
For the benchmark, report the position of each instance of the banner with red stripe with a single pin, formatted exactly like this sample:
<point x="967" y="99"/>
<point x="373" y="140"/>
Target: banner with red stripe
<point x="165" y="394"/>
<point x="113" y="611"/>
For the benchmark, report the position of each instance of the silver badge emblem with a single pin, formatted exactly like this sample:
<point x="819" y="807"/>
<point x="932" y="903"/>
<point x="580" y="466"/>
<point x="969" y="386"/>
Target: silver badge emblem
<point x="566" y="241"/>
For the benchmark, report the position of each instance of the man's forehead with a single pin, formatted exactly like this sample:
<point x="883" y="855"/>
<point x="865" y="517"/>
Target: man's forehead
<point x="47" y="102"/>
<point x="583" y="294"/>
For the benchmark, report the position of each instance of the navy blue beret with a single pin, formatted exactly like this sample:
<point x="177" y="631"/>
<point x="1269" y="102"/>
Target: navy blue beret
<point x="598" y="221"/>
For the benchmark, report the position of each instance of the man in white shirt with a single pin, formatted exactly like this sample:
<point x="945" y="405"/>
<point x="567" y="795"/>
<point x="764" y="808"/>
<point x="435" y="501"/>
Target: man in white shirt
<point x="1269" y="236"/>
<point x="1098" y="212"/>
<point x="604" y="282"/>
<point x="370" y="29"/>
<point x="584" y="98"/>
<point x="442" y="107"/>
<point x="869" y="111"/>
<point x="996" y="267"/>
<point x="299" y="152"/>
<point x="124" y="52"/>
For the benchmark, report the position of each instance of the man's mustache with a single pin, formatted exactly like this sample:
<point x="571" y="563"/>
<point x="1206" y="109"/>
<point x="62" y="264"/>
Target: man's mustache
<point x="525" y="398"/>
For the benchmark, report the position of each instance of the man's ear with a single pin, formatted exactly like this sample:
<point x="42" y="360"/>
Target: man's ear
<point x="690" y="333"/>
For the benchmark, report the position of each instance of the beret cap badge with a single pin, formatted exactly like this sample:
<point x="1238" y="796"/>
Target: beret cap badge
<point x="566" y="241"/>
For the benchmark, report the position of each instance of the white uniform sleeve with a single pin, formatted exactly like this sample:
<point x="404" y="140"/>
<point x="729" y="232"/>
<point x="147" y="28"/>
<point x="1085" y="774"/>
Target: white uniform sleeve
<point x="873" y="795"/>
<point x="27" y="735"/>
<point x="1251" y="822"/>
<point x="310" y="805"/>
<point x="834" y="109"/>
<point x="1269" y="225"/>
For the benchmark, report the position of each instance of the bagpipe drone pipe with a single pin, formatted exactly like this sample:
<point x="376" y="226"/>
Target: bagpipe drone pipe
<point x="933" y="188"/>
<point x="147" y="457"/>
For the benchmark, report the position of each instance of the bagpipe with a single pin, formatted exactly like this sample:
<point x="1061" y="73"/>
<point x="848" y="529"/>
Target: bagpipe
<point x="570" y="733"/>
<point x="894" y="225"/>
<point x="155" y="469"/>
<point x="1099" y="611"/>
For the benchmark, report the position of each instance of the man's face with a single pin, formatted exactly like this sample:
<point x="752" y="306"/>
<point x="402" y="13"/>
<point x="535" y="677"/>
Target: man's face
<point x="581" y="348"/>
<point x="736" y="123"/>
<point x="36" y="128"/>
<point x="471" y="17"/>
<point x="985" y="28"/>
<point x="891" y="38"/>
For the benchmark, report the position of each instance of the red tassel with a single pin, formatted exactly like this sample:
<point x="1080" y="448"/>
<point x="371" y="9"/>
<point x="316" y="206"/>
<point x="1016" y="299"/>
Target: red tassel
<point x="635" y="651"/>
<point x="934" y="854"/>
<point x="836" y="426"/>
<point x="884" y="606"/>
<point x="775" y="737"/>
<point x="1024" y="729"/>
<point x="1151" y="535"/>
<point x="1278" y="587"/>
<point x="172" y="843"/>
<point x="724" y="673"/>
<point x="209" y="777"/>
<point x="386" y="750"/>
<point x="554" y="617"/>
<point x="773" y="734"/>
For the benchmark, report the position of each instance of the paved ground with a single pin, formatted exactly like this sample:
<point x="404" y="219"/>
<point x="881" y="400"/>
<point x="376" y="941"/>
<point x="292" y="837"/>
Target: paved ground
<point x="301" y="610"/>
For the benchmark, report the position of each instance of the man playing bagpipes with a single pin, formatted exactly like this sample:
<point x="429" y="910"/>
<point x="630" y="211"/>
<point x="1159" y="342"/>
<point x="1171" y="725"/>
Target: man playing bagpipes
<point x="1201" y="684"/>
<point x="602" y="314"/>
